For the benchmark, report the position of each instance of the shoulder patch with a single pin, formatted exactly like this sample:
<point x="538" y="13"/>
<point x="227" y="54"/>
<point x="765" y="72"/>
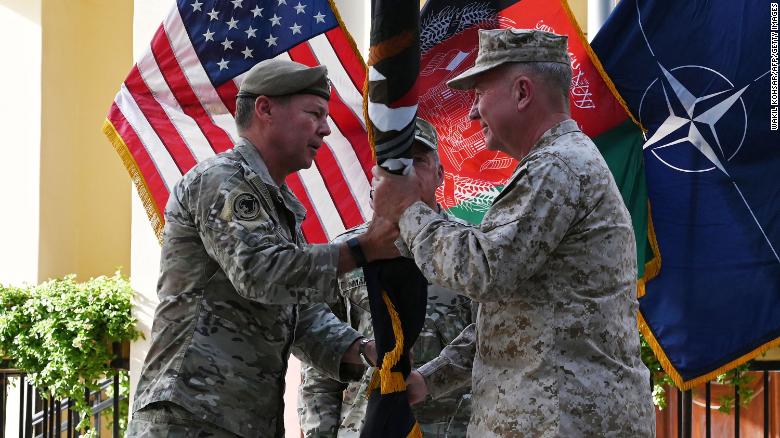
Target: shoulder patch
<point x="246" y="207"/>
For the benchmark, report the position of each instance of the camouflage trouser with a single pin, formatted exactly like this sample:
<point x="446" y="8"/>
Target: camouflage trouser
<point x="163" y="419"/>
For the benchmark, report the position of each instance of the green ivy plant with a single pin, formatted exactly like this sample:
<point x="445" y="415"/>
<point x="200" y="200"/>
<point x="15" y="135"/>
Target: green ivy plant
<point x="60" y="333"/>
<point x="737" y="377"/>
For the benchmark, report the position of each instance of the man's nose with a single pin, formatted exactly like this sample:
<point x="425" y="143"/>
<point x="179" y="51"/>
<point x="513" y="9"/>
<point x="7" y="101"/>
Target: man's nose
<point x="474" y="111"/>
<point x="324" y="127"/>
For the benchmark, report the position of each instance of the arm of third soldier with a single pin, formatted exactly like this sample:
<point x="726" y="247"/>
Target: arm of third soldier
<point x="450" y="370"/>
<point x="320" y="396"/>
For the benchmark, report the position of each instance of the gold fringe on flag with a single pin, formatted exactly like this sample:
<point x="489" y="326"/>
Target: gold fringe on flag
<point x="685" y="385"/>
<point x="155" y="216"/>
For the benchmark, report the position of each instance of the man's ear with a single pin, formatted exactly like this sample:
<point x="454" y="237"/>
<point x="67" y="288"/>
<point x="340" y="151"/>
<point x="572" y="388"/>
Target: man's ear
<point x="522" y="91"/>
<point x="439" y="175"/>
<point x="263" y="107"/>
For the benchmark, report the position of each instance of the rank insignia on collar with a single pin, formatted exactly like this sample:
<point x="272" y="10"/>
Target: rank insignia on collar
<point x="246" y="207"/>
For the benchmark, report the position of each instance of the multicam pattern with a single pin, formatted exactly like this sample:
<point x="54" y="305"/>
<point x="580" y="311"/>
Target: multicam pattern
<point x="555" y="349"/>
<point x="234" y="298"/>
<point x="328" y="408"/>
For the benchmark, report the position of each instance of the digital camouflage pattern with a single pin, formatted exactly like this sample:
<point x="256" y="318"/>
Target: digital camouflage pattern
<point x="328" y="408"/>
<point x="238" y="290"/>
<point x="553" y="266"/>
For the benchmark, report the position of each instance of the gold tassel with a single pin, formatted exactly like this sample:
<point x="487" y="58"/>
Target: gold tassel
<point x="392" y="381"/>
<point x="415" y="432"/>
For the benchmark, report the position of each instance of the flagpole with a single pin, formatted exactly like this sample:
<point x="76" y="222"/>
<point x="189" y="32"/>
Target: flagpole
<point x="598" y="11"/>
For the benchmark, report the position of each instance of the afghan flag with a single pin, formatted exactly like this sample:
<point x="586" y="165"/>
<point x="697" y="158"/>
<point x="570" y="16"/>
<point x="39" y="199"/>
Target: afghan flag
<point x="397" y="291"/>
<point x="474" y="175"/>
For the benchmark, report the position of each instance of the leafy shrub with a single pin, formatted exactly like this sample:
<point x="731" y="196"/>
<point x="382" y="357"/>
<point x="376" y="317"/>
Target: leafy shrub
<point x="60" y="333"/>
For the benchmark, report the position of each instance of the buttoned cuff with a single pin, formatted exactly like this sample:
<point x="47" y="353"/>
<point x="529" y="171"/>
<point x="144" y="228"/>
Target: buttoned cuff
<point x="434" y="373"/>
<point x="415" y="219"/>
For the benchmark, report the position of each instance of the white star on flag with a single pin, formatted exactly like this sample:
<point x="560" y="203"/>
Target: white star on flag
<point x="196" y="6"/>
<point x="299" y="8"/>
<point x="296" y="28"/>
<point x="223" y="64"/>
<point x="209" y="35"/>
<point x="247" y="53"/>
<point x="227" y="44"/>
<point x="275" y="20"/>
<point x="213" y="14"/>
<point x="237" y="3"/>
<point x="271" y="40"/>
<point x="282" y="2"/>
<point x="250" y="33"/>
<point x="319" y="17"/>
<point x="232" y="24"/>
<point x="257" y="12"/>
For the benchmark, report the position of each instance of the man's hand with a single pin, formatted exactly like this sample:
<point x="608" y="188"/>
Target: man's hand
<point x="393" y="194"/>
<point x="416" y="388"/>
<point x="378" y="242"/>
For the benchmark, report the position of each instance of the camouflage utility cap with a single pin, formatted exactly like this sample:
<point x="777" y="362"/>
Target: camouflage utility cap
<point x="278" y="77"/>
<point x="501" y="46"/>
<point x="425" y="133"/>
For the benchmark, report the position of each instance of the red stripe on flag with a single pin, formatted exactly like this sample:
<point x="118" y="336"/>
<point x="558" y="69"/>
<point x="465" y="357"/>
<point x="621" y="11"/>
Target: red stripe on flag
<point x="227" y="92"/>
<point x="159" y="121"/>
<point x="338" y="189"/>
<point x="183" y="93"/>
<point x="353" y="131"/>
<point x="352" y="63"/>
<point x="143" y="161"/>
<point x="312" y="227"/>
<point x="335" y="182"/>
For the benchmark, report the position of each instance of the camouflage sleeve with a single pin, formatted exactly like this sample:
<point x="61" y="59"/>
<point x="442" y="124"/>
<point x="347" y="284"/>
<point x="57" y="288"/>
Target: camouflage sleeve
<point x="319" y="403"/>
<point x="451" y="370"/>
<point x="321" y="339"/>
<point x="261" y="264"/>
<point x="515" y="238"/>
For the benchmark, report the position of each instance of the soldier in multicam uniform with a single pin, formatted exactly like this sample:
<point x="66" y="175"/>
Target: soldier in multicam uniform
<point x="555" y="349"/>
<point x="329" y="408"/>
<point x="239" y="286"/>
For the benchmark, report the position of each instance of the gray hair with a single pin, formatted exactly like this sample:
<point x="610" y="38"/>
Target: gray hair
<point x="245" y="106"/>
<point x="557" y="76"/>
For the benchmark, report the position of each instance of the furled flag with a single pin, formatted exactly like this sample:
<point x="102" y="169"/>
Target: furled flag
<point x="397" y="291"/>
<point x="176" y="106"/>
<point x="702" y="77"/>
<point x="475" y="175"/>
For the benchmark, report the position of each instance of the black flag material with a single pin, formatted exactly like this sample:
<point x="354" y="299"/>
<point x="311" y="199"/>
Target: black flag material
<point x="397" y="294"/>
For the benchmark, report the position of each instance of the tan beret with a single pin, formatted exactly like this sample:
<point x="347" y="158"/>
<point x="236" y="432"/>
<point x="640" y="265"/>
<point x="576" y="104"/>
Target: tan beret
<point x="279" y="77"/>
<point x="502" y="46"/>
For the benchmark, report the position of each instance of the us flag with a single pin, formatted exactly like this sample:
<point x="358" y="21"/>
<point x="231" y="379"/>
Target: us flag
<point x="176" y="105"/>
